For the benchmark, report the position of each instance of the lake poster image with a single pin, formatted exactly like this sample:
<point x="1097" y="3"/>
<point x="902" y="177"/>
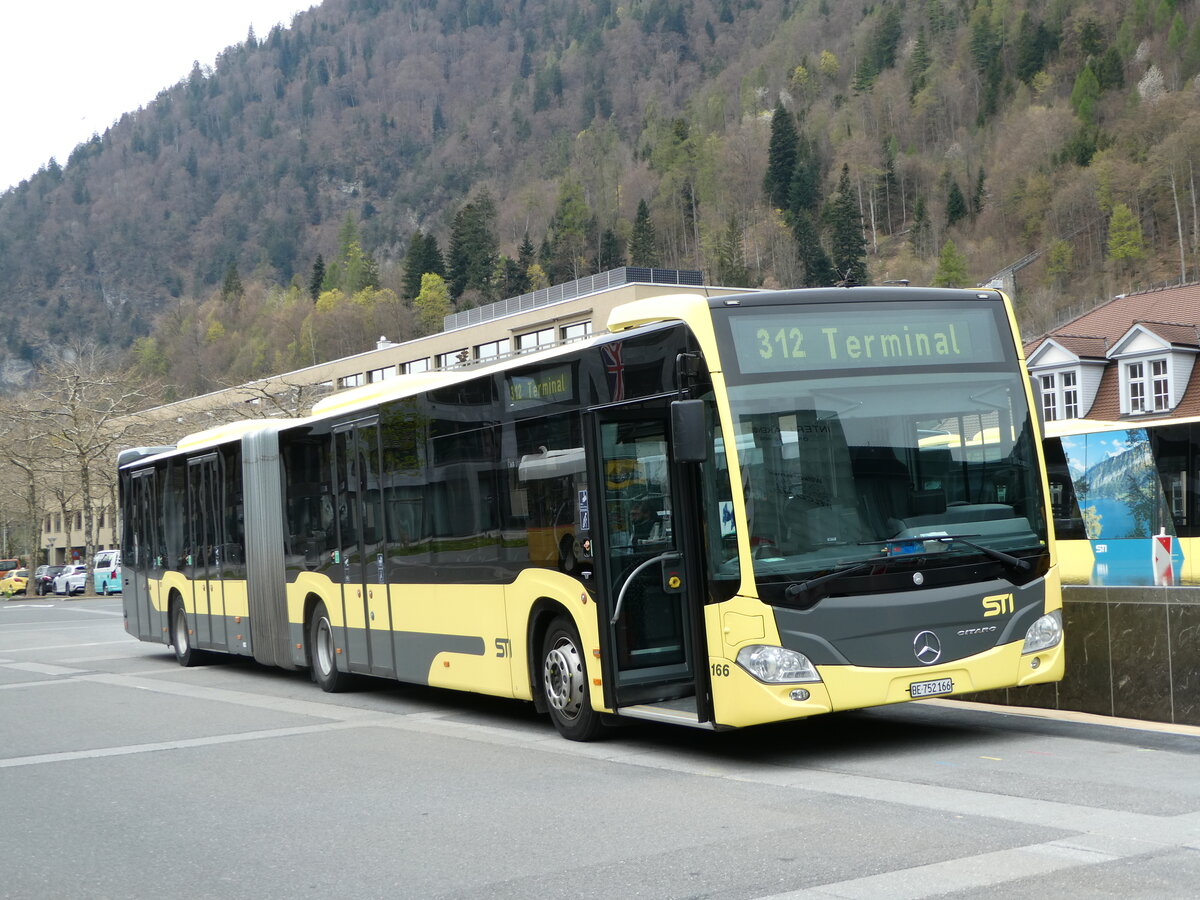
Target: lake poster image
<point x="1123" y="507"/>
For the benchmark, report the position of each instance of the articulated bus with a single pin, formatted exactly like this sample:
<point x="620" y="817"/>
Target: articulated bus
<point x="720" y="512"/>
<point x="1125" y="497"/>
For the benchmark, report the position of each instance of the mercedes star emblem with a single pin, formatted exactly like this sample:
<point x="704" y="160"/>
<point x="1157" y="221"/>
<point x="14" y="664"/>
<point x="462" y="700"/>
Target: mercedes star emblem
<point x="927" y="647"/>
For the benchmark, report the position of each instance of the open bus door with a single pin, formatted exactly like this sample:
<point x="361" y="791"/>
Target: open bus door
<point x="646" y="549"/>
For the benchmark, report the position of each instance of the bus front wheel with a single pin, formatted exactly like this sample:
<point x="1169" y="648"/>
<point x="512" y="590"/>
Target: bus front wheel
<point x="564" y="681"/>
<point x="323" y="653"/>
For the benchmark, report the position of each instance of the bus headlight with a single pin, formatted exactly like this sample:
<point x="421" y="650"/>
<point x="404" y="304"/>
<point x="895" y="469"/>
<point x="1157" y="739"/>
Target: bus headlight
<point x="775" y="665"/>
<point x="1043" y="634"/>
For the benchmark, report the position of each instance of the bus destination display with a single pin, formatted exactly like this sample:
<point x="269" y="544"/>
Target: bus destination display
<point x="839" y="337"/>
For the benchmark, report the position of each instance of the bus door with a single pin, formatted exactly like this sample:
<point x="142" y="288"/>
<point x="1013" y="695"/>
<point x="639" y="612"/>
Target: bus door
<point x="361" y="548"/>
<point x="207" y="541"/>
<point x="142" y="556"/>
<point x="643" y="548"/>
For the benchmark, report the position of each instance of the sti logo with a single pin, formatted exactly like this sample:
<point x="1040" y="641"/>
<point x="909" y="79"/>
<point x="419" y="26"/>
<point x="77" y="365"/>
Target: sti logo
<point x="999" y="605"/>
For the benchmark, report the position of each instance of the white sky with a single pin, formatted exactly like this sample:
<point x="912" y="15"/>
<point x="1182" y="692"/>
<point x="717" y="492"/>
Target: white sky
<point x="72" y="67"/>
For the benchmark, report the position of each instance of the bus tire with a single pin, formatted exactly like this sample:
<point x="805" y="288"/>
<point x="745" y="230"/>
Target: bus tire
<point x="323" y="653"/>
<point x="565" y="683"/>
<point x="181" y="639"/>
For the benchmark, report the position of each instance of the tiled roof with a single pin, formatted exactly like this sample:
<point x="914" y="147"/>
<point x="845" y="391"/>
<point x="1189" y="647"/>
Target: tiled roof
<point x="1112" y="319"/>
<point x="1083" y="347"/>
<point x="1176" y="335"/>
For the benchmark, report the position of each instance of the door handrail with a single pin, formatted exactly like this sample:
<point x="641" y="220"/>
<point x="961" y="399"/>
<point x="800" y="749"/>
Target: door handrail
<point x="667" y="556"/>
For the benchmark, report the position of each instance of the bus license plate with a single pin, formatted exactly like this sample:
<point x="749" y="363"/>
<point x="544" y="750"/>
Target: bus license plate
<point x="931" y="688"/>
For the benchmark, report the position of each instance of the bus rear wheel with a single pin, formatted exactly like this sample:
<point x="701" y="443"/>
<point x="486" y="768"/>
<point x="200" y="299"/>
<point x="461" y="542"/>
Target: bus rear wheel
<point x="322" y="652"/>
<point x="181" y="638"/>
<point x="565" y="684"/>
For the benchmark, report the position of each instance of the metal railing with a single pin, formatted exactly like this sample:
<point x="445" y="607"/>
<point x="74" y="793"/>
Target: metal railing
<point x="568" y="291"/>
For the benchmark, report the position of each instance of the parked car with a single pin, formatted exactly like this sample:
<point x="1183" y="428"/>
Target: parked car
<point x="71" y="580"/>
<point x="106" y="572"/>
<point x="43" y="579"/>
<point x="13" y="582"/>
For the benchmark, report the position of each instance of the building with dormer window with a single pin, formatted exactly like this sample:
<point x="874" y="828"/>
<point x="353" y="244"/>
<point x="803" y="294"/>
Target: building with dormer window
<point x="1133" y="356"/>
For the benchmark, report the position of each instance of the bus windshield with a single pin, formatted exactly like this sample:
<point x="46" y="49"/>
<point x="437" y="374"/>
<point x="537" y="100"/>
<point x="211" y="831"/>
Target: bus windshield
<point x="889" y="456"/>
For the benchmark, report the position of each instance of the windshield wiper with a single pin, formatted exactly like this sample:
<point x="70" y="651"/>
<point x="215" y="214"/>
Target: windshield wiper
<point x="803" y="587"/>
<point x="1013" y="562"/>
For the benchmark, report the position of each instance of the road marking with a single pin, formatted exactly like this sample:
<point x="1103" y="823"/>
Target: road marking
<point x="97" y="612"/>
<point x="41" y="668"/>
<point x="75" y="755"/>
<point x="969" y="873"/>
<point x="72" y="647"/>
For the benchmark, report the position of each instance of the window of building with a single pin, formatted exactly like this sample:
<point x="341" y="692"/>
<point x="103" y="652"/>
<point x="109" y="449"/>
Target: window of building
<point x="1060" y="395"/>
<point x="1049" y="398"/>
<point x="1070" y="395"/>
<point x="1160" y="384"/>
<point x="417" y="365"/>
<point x="377" y="375"/>
<point x="451" y="359"/>
<point x="576" y="331"/>
<point x="493" y="349"/>
<point x="349" y="381"/>
<point x="535" y="339"/>
<point x="1148" y="386"/>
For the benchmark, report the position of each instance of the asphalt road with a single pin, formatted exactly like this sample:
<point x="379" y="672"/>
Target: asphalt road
<point x="124" y="775"/>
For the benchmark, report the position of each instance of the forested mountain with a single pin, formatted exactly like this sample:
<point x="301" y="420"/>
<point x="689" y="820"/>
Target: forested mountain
<point x="282" y="207"/>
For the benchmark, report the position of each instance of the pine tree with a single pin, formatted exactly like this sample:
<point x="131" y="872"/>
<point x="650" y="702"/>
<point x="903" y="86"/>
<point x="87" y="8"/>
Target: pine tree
<point x="526" y="257"/>
<point x="951" y="268"/>
<point x="423" y="256"/>
<point x="569" y="230"/>
<point x="611" y="254"/>
<point x="956" y="205"/>
<point x="473" y="247"/>
<point x="731" y="257"/>
<point x="317" y="279"/>
<point x="804" y="189"/>
<point x="1085" y="95"/>
<point x="347" y="235"/>
<point x="643" y="244"/>
<point x="231" y="286"/>
<point x="818" y="270"/>
<point x="918" y="64"/>
<point x="848" y="245"/>
<point x="919" y="232"/>
<point x="781" y="158"/>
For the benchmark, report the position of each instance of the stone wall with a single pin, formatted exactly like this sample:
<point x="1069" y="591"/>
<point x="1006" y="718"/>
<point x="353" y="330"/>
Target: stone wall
<point x="1132" y="652"/>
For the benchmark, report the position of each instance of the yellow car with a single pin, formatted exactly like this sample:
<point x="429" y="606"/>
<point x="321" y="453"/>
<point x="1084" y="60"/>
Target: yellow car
<point x="13" y="582"/>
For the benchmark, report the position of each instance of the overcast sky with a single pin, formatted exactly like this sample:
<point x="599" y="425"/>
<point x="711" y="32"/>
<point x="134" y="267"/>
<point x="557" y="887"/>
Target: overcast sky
<point x="71" y="68"/>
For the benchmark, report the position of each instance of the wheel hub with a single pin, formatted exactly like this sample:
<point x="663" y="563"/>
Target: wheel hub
<point x="564" y="678"/>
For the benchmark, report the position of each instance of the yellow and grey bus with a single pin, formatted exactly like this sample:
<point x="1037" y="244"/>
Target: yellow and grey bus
<point x="720" y="512"/>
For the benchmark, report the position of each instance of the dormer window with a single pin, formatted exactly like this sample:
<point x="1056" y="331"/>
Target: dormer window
<point x="1149" y="388"/>
<point x="1060" y="395"/>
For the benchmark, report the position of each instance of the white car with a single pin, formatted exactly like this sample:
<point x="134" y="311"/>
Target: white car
<point x="71" y="580"/>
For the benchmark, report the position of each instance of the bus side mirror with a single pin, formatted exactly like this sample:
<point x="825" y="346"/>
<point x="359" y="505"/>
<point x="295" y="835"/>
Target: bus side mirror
<point x="688" y="432"/>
